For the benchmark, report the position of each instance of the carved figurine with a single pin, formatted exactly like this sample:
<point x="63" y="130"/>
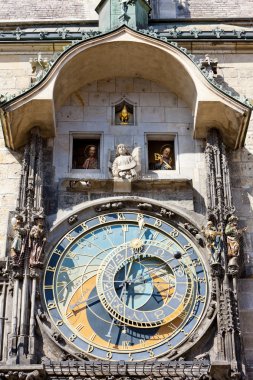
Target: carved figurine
<point x="213" y="237"/>
<point x="164" y="158"/>
<point x="233" y="234"/>
<point x="18" y="244"/>
<point x="91" y="161"/>
<point x="125" y="3"/>
<point x="37" y="240"/>
<point x="124" y="115"/>
<point x="126" y="165"/>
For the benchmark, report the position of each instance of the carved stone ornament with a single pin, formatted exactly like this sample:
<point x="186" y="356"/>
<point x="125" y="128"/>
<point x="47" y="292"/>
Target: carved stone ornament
<point x="145" y="206"/>
<point x="72" y="219"/>
<point x="22" y="375"/>
<point x="166" y="213"/>
<point x="110" y="206"/>
<point x="39" y="67"/>
<point x="223" y="241"/>
<point x="26" y="258"/>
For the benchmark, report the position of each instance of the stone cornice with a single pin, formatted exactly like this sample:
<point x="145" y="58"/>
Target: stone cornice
<point x="78" y="33"/>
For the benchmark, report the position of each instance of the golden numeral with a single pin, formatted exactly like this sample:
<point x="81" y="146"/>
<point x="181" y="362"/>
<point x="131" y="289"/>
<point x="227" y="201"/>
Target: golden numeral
<point x="94" y="235"/>
<point x="51" y="269"/>
<point x="142" y="342"/>
<point x="174" y="233"/>
<point x="187" y="246"/>
<point x="155" y="235"/>
<point x="48" y="287"/>
<point x="151" y="353"/>
<point x="84" y="226"/>
<point x="125" y="344"/>
<point x="90" y="348"/>
<point x="70" y="314"/>
<point x="109" y="355"/>
<point x="125" y="227"/>
<point x="169" y="244"/>
<point x="93" y="336"/>
<point x="79" y="327"/>
<point x="51" y="305"/>
<point x="158" y="223"/>
<point x="102" y="219"/>
<point x="69" y="237"/>
<point x="72" y="337"/>
<point x="201" y="298"/>
<point x="120" y="217"/>
<point x="71" y="254"/>
<point x="57" y="252"/>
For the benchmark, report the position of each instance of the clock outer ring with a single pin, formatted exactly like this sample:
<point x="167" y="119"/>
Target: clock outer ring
<point x="92" y="210"/>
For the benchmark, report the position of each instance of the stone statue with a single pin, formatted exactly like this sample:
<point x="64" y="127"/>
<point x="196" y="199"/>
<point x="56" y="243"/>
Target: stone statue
<point x="37" y="240"/>
<point x="233" y="234"/>
<point x="18" y="244"/>
<point x="126" y="165"/>
<point x="213" y="237"/>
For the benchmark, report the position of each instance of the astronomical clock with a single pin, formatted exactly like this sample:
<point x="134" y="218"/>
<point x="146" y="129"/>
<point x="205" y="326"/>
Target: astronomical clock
<point x="126" y="284"/>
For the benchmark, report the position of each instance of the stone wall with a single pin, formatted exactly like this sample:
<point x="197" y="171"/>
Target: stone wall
<point x="159" y="113"/>
<point x="9" y="178"/>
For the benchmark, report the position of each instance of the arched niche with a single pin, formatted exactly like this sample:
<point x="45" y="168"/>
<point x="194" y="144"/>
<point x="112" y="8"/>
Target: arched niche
<point x="125" y="52"/>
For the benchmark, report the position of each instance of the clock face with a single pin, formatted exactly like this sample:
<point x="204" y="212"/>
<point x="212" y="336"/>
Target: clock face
<point x="125" y="286"/>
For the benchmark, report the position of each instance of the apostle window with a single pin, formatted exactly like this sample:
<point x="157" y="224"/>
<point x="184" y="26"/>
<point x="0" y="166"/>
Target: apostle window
<point x="86" y="153"/>
<point x="161" y="153"/>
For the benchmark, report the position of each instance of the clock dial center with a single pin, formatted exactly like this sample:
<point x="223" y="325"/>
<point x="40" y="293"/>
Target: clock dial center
<point x="138" y="285"/>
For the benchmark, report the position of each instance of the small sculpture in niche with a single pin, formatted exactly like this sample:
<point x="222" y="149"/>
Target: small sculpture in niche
<point x="19" y="241"/>
<point x="213" y="237"/>
<point x="91" y="161"/>
<point x="37" y="241"/>
<point x="126" y="165"/>
<point x="164" y="158"/>
<point x="233" y="234"/>
<point x="124" y="113"/>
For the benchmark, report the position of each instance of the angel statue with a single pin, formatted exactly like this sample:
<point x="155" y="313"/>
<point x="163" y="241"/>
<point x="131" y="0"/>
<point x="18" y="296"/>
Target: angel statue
<point x="126" y="165"/>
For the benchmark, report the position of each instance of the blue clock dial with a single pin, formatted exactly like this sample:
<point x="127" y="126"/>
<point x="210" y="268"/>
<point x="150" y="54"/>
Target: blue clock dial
<point x="125" y="286"/>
